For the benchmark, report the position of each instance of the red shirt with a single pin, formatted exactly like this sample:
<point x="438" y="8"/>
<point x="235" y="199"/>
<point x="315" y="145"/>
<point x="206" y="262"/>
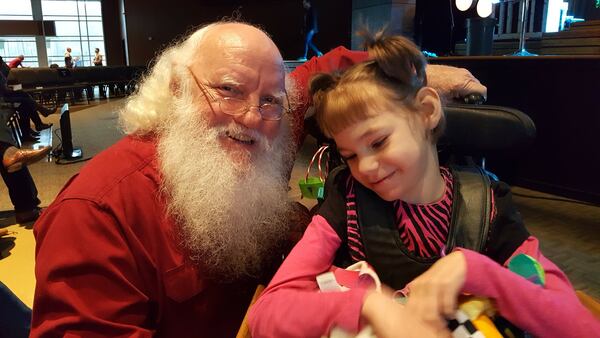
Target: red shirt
<point x="107" y="264"/>
<point x="14" y="63"/>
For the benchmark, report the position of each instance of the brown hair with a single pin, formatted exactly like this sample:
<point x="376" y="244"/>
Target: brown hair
<point x="393" y="76"/>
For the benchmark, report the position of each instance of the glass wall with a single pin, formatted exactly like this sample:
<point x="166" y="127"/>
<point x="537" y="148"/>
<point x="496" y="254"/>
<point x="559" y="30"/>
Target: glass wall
<point x="15" y="10"/>
<point x="78" y="26"/>
<point x="12" y="46"/>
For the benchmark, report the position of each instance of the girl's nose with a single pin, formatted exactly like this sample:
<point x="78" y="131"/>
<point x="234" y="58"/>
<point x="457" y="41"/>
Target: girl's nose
<point x="367" y="164"/>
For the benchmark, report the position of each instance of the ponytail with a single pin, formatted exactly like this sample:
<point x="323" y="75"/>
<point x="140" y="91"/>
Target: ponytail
<point x="398" y="58"/>
<point x="319" y="85"/>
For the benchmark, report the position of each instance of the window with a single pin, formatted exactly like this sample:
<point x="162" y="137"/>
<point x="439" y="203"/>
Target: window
<point x="13" y="46"/>
<point x="78" y="26"/>
<point x="15" y="10"/>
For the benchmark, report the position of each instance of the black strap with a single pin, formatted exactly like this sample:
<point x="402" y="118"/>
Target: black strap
<point x="471" y="209"/>
<point x="469" y="224"/>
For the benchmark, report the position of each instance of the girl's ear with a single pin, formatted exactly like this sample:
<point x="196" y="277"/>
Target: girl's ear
<point x="430" y="107"/>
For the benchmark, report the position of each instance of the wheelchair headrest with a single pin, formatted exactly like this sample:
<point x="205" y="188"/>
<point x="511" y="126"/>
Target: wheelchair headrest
<point x="482" y="130"/>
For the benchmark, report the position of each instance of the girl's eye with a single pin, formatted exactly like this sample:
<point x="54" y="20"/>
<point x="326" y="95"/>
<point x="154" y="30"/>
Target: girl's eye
<point x="379" y="143"/>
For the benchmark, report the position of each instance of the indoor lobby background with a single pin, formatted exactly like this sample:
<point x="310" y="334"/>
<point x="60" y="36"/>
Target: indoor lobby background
<point x="555" y="178"/>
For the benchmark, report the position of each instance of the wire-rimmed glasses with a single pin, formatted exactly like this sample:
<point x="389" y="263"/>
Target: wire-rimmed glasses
<point x="235" y="107"/>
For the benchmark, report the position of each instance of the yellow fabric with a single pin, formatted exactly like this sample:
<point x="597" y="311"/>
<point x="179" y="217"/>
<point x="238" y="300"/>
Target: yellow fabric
<point x="244" y="331"/>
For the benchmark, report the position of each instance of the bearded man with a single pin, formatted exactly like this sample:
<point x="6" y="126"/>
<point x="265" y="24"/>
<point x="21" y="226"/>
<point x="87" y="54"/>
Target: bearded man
<point x="160" y="234"/>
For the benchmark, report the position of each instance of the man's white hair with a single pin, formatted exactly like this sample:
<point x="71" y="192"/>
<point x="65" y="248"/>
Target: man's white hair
<point x="145" y="111"/>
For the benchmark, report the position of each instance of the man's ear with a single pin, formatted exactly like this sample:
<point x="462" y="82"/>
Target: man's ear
<point x="430" y="107"/>
<point x="174" y="86"/>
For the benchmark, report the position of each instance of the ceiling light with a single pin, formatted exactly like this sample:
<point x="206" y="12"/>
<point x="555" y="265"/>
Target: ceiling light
<point x="484" y="8"/>
<point x="463" y="5"/>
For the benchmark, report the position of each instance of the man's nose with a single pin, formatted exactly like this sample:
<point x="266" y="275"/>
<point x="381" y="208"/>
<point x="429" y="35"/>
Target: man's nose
<point x="251" y="118"/>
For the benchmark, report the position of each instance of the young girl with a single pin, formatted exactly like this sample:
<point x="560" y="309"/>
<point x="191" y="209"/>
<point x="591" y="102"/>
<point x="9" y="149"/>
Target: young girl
<point x="385" y="122"/>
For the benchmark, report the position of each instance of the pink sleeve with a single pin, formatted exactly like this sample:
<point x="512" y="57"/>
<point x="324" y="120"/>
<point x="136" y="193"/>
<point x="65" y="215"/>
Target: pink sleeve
<point x="550" y="311"/>
<point x="338" y="58"/>
<point x="292" y="305"/>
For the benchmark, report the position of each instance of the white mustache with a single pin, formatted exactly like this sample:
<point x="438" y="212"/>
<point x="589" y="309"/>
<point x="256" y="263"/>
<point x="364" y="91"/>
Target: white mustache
<point x="243" y="134"/>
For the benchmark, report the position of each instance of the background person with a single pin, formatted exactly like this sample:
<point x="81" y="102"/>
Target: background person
<point x="27" y="107"/>
<point x="97" y="57"/>
<point x="15" y="317"/>
<point x="68" y="58"/>
<point x="16" y="62"/>
<point x="21" y="187"/>
<point x="310" y="29"/>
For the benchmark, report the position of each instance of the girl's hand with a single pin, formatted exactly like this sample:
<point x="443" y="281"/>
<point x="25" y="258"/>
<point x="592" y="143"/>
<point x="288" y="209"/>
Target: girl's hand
<point x="391" y="319"/>
<point x="433" y="295"/>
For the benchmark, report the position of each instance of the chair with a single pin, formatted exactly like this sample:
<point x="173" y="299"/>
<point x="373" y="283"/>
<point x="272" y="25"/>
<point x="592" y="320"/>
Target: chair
<point x="592" y="304"/>
<point x="9" y="120"/>
<point x="244" y="331"/>
<point x="479" y="130"/>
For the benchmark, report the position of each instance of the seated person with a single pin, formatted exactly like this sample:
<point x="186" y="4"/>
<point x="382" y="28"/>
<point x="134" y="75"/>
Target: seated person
<point x="28" y="107"/>
<point x="15" y="317"/>
<point x="385" y="121"/>
<point x="21" y="187"/>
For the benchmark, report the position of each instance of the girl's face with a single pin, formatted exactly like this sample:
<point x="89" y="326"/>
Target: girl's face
<point x="391" y="154"/>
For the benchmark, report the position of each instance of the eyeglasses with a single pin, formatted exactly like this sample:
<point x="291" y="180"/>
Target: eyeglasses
<point x="236" y="107"/>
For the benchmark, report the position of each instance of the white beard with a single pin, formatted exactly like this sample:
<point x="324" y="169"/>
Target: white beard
<point x="231" y="208"/>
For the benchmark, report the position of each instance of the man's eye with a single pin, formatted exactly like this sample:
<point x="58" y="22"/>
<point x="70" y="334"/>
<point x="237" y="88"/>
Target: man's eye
<point x="227" y="90"/>
<point x="271" y="100"/>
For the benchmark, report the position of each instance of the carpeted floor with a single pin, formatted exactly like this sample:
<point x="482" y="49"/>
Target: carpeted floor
<point x="569" y="232"/>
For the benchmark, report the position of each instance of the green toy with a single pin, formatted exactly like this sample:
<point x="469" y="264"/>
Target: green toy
<point x="526" y="266"/>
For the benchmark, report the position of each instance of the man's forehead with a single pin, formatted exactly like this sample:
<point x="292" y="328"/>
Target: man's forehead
<point x="234" y="37"/>
<point x="243" y="54"/>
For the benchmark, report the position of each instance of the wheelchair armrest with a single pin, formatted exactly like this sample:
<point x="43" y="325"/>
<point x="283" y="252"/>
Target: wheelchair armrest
<point x="479" y="130"/>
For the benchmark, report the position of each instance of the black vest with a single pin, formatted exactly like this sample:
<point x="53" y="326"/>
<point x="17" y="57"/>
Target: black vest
<point x="470" y="228"/>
